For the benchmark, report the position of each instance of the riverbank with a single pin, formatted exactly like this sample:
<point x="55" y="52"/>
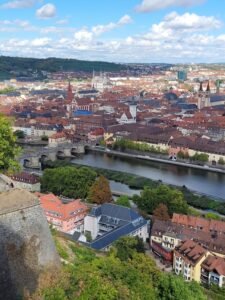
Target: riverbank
<point x="160" y="160"/>
<point x="137" y="182"/>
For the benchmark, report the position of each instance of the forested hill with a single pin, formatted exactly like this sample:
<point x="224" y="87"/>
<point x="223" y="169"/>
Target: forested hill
<point x="9" y="65"/>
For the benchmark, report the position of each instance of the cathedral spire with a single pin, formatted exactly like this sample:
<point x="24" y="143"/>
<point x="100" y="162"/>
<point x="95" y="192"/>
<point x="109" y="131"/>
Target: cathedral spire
<point x="70" y="92"/>
<point x="201" y="87"/>
<point x="208" y="88"/>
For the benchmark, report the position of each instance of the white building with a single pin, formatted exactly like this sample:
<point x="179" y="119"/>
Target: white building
<point x="108" y="222"/>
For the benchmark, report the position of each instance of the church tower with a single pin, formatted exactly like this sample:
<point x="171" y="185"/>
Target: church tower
<point x="70" y="94"/>
<point x="69" y="100"/>
<point x="204" y="96"/>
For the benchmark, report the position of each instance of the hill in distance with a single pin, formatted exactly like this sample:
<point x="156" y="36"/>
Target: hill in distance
<point x="11" y="66"/>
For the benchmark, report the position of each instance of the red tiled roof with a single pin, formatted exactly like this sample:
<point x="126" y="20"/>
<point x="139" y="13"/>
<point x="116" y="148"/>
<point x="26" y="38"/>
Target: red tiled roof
<point x="214" y="264"/>
<point x="200" y="223"/>
<point x="190" y="251"/>
<point x="51" y="203"/>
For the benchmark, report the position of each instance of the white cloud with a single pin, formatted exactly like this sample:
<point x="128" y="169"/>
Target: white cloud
<point x="83" y="35"/>
<point x="177" y="38"/>
<point x="62" y="22"/>
<point x="19" y="4"/>
<point x="100" y="29"/>
<point x="125" y="20"/>
<point x="176" y="26"/>
<point x="47" y="11"/>
<point x="14" y="25"/>
<point x="40" y="42"/>
<point x="189" y="21"/>
<point x="152" y="5"/>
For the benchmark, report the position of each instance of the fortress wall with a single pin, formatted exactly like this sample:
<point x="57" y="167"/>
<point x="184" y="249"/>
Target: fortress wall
<point x="26" y="248"/>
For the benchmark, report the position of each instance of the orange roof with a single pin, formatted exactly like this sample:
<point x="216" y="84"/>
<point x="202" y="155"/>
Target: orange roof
<point x="205" y="225"/>
<point x="214" y="264"/>
<point x="52" y="204"/>
<point x="58" y="135"/>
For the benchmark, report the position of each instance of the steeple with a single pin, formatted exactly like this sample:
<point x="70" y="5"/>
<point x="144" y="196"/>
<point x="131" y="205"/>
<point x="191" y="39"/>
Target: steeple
<point x="208" y="88"/>
<point x="201" y="87"/>
<point x="70" y="93"/>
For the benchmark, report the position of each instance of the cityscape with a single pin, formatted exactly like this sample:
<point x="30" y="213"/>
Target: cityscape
<point x="112" y="150"/>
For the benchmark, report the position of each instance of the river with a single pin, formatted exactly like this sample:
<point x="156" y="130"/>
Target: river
<point x="205" y="182"/>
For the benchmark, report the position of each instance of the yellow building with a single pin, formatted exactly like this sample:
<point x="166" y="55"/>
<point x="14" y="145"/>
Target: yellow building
<point x="187" y="260"/>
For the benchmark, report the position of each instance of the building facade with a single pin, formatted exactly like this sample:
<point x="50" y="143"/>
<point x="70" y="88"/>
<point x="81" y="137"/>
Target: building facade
<point x="108" y="222"/>
<point x="66" y="217"/>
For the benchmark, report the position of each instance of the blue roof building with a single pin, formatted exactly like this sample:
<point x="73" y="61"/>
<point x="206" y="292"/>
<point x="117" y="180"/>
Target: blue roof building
<point x="109" y="222"/>
<point x="81" y="112"/>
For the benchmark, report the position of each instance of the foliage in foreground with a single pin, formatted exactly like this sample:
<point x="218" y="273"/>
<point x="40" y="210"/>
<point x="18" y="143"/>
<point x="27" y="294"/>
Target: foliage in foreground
<point x="8" y="149"/>
<point x="107" y="277"/>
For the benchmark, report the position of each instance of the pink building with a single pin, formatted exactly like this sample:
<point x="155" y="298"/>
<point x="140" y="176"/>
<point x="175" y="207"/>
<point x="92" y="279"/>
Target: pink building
<point x="65" y="217"/>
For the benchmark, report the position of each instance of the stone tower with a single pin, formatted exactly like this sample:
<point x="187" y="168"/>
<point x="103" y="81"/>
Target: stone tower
<point x="203" y="96"/>
<point x="26" y="245"/>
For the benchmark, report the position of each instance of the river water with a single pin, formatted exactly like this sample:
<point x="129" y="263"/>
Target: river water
<point x="205" y="182"/>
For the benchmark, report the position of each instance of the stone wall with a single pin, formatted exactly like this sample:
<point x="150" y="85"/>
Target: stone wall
<point x="26" y="245"/>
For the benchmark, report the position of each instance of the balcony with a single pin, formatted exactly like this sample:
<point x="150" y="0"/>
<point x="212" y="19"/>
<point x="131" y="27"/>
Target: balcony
<point x="204" y="279"/>
<point x="178" y="265"/>
<point x="187" y="271"/>
<point x="214" y="280"/>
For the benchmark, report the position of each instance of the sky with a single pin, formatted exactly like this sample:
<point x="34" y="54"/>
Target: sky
<point x="127" y="31"/>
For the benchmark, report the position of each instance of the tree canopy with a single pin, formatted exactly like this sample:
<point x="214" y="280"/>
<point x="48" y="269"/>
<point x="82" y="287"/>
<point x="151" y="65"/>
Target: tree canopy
<point x="161" y="212"/>
<point x="107" y="277"/>
<point x="68" y="181"/>
<point x="123" y="201"/>
<point x="150" y="199"/>
<point x="8" y="149"/>
<point x="126" y="247"/>
<point x="100" y="191"/>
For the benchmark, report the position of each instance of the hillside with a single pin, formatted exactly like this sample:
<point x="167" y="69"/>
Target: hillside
<point x="9" y="66"/>
<point x="122" y="274"/>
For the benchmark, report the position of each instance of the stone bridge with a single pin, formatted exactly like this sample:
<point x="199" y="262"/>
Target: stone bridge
<point x="34" y="160"/>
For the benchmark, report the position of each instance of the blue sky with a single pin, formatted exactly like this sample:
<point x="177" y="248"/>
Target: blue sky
<point x="114" y="30"/>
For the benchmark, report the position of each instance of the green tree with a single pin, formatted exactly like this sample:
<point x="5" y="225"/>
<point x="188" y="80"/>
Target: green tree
<point x="174" y="287"/>
<point x="19" y="134"/>
<point x="109" y="278"/>
<point x="182" y="155"/>
<point x="172" y="198"/>
<point x="44" y="138"/>
<point x="88" y="236"/>
<point x="201" y="157"/>
<point x="123" y="201"/>
<point x="212" y="216"/>
<point x="8" y="149"/>
<point x="221" y="161"/>
<point x="68" y="181"/>
<point x="126" y="247"/>
<point x="100" y="191"/>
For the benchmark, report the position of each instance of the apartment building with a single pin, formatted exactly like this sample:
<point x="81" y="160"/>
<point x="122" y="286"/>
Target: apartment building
<point x="187" y="259"/>
<point x="108" y="222"/>
<point x="64" y="216"/>
<point x="213" y="271"/>
<point x="166" y="235"/>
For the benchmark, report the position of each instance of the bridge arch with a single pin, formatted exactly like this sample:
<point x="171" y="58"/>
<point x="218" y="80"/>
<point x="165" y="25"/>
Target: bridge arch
<point x="60" y="154"/>
<point x="25" y="162"/>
